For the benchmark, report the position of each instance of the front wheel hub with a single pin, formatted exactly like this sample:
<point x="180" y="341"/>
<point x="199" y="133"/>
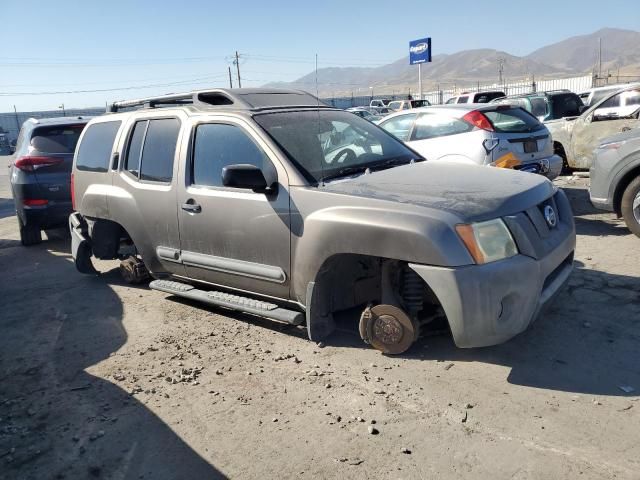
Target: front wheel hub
<point x="388" y="329"/>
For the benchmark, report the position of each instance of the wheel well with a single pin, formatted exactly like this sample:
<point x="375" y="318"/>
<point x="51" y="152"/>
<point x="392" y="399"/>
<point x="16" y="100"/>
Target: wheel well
<point x="107" y="238"/>
<point x="621" y="187"/>
<point x="558" y="148"/>
<point x="347" y="281"/>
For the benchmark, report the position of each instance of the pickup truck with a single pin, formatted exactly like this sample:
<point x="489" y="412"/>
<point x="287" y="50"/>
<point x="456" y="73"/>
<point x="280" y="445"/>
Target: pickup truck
<point x="270" y="203"/>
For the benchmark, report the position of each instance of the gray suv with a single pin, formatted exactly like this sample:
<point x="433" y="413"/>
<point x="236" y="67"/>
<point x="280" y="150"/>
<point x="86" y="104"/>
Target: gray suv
<point x="271" y="203"/>
<point x="40" y="174"/>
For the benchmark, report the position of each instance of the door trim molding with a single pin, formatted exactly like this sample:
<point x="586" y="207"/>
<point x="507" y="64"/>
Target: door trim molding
<point x="268" y="273"/>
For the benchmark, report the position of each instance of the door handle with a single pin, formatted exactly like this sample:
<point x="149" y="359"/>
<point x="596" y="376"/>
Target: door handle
<point x="191" y="207"/>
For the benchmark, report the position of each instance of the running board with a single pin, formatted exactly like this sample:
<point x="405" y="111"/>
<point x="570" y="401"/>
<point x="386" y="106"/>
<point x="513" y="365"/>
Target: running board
<point x="227" y="300"/>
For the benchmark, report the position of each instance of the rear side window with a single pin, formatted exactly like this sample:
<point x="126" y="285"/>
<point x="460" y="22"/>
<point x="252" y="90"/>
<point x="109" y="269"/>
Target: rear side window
<point x="158" y="139"/>
<point x="94" y="152"/>
<point x="513" y="120"/>
<point x="56" y="139"/>
<point x="219" y="145"/>
<point x="432" y="126"/>
<point x="463" y="99"/>
<point x="400" y="126"/>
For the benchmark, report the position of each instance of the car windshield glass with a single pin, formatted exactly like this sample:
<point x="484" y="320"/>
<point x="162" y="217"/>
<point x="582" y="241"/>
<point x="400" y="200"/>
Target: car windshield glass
<point x="512" y="120"/>
<point x="56" y="139"/>
<point x="326" y="144"/>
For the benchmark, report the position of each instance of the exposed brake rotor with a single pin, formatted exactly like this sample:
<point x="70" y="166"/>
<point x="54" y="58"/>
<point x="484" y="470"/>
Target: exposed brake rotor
<point x="388" y="329"/>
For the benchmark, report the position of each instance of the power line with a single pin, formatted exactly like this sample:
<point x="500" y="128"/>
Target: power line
<point x="139" y="87"/>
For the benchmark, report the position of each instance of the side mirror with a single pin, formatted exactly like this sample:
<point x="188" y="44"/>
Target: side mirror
<point x="246" y="176"/>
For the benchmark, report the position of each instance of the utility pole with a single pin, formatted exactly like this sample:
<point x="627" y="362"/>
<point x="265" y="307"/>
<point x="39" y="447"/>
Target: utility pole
<point x="230" y="80"/>
<point x="15" y="111"/>
<point x="501" y="61"/>
<point x="238" y="69"/>
<point x="599" y="56"/>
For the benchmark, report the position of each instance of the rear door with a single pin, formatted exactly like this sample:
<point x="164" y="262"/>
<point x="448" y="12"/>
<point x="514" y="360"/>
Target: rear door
<point x="519" y="133"/>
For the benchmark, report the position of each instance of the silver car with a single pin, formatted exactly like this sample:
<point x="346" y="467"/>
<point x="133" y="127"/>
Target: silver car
<point x="496" y="135"/>
<point x="615" y="177"/>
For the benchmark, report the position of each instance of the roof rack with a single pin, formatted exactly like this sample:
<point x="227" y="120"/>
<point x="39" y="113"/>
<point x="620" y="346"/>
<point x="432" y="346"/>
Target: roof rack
<point x="254" y="99"/>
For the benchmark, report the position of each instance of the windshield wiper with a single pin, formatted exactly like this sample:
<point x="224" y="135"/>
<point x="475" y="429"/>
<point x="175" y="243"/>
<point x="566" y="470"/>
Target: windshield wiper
<point x="394" y="162"/>
<point x="343" y="172"/>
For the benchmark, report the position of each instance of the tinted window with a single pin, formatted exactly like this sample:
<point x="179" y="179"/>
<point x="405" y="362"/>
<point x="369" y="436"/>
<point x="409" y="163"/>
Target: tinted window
<point x="539" y="107"/>
<point x="94" y="152"/>
<point x="400" y="126"/>
<point x="132" y="162"/>
<point x="463" y="99"/>
<point x="566" y="106"/>
<point x="159" y="150"/>
<point x="218" y="145"/>
<point x="56" y="139"/>
<point x="432" y="125"/>
<point x="513" y="120"/>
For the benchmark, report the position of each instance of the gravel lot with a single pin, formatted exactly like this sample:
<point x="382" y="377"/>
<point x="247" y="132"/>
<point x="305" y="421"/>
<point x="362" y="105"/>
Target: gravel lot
<point x="100" y="379"/>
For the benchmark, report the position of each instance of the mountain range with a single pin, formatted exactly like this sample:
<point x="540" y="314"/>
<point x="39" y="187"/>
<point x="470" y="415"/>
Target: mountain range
<point x="574" y="56"/>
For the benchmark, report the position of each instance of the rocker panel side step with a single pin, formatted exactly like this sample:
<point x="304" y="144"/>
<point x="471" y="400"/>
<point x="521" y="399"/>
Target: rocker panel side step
<point x="230" y="301"/>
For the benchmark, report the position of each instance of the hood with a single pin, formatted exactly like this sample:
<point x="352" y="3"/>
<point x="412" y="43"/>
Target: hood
<point x="472" y="193"/>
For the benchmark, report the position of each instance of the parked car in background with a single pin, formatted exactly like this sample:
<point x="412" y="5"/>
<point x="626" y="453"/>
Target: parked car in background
<point x="398" y="105"/>
<point x="270" y="203"/>
<point x="475" y="97"/>
<point x="594" y="95"/>
<point x="577" y="138"/>
<point x="497" y="135"/>
<point x="5" y="147"/>
<point x="380" y="106"/>
<point x="551" y="108"/>
<point x="615" y="177"/>
<point x="40" y="174"/>
<point x="362" y="112"/>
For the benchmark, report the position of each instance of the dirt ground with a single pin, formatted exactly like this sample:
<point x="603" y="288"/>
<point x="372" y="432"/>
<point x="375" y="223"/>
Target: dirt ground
<point x="102" y="380"/>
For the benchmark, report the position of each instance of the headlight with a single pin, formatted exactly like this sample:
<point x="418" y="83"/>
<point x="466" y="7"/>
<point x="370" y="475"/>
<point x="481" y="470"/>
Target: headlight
<point x="488" y="241"/>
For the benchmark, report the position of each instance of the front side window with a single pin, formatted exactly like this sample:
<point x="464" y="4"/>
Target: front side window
<point x="158" y="151"/>
<point x="566" y="106"/>
<point x="539" y="107"/>
<point x="94" y="152"/>
<point x="218" y="145"/>
<point x="400" y="126"/>
<point x="433" y="125"/>
<point x="463" y="99"/>
<point x="326" y="144"/>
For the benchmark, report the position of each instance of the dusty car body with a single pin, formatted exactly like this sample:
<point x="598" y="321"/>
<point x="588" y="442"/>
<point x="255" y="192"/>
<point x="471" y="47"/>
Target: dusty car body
<point x="615" y="177"/>
<point x="576" y="138"/>
<point x="320" y="212"/>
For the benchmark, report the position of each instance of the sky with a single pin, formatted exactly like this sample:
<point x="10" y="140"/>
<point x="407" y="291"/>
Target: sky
<point x="115" y="49"/>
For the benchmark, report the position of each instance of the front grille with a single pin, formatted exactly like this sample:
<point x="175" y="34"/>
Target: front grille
<point x="533" y="234"/>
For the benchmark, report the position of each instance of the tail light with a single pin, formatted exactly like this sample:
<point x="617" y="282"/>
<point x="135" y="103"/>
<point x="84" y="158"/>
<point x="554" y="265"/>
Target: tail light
<point x="34" y="202"/>
<point x="29" y="163"/>
<point x="73" y="194"/>
<point x="478" y="119"/>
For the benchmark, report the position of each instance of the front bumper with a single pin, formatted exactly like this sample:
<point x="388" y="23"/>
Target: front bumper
<point x="489" y="304"/>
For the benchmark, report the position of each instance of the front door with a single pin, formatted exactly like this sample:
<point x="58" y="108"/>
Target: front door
<point x="233" y="237"/>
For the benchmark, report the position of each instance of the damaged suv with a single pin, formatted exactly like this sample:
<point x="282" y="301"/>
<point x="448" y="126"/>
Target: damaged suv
<point x="271" y="203"/>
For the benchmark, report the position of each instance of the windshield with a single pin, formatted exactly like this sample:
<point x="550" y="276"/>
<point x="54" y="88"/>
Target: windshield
<point x="513" y="120"/>
<point x="326" y="144"/>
